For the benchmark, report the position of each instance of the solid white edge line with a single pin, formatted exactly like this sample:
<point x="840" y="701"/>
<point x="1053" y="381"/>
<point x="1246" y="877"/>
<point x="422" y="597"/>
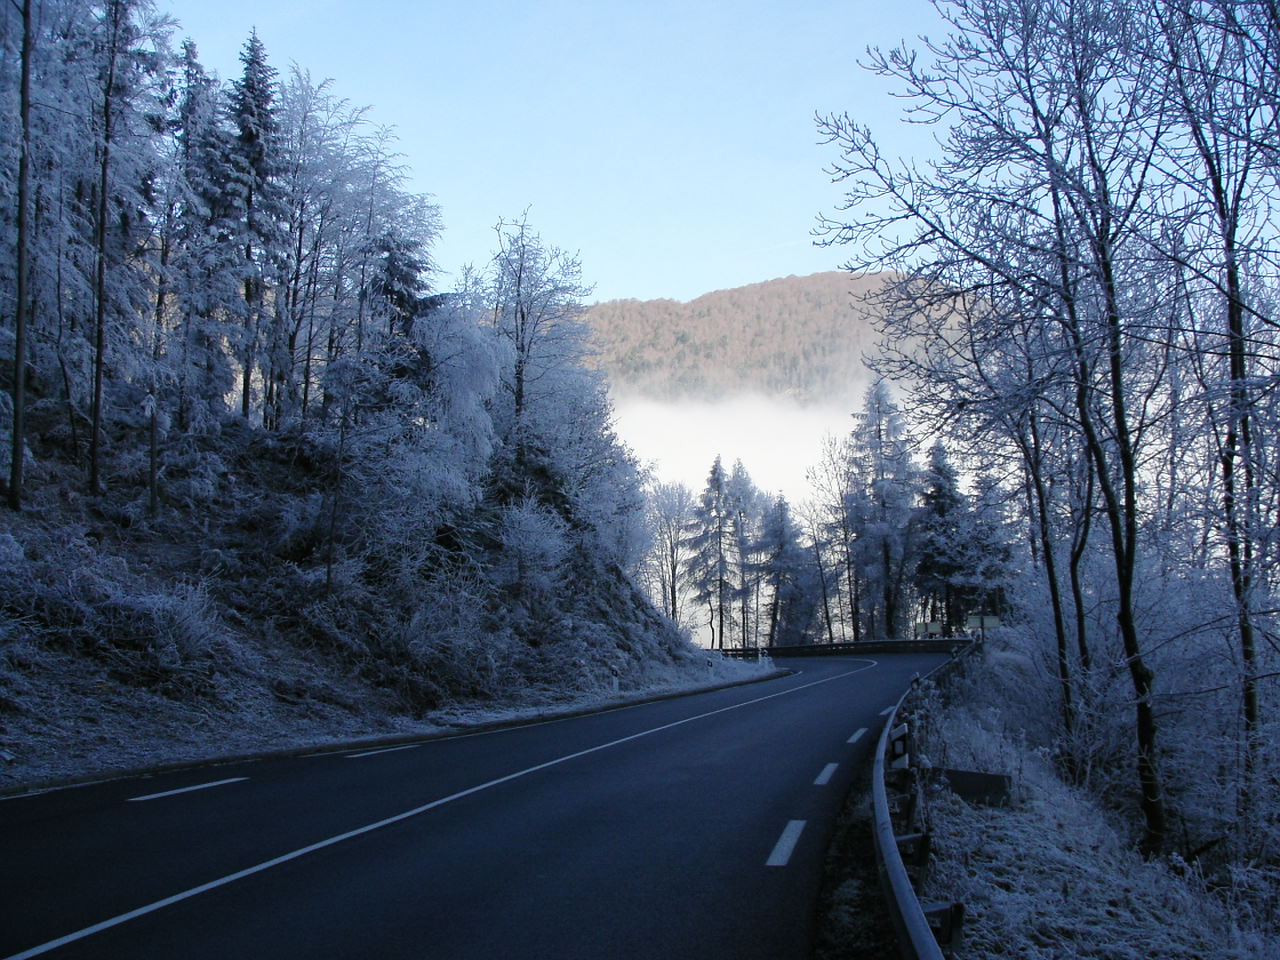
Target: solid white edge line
<point x="857" y="735"/>
<point x="169" y="901"/>
<point x="374" y="753"/>
<point x="786" y="844"/>
<point x="825" y="776"/>
<point x="174" y="793"/>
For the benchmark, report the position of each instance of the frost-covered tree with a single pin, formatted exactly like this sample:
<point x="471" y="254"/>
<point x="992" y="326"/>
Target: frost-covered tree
<point x="962" y="561"/>
<point x="942" y="527"/>
<point x="670" y="511"/>
<point x="1221" y="90"/>
<point x="1082" y="290"/>
<point x="537" y="294"/>
<point x="130" y="49"/>
<point x="552" y="420"/>
<point x="203" y="268"/>
<point x="881" y="449"/>
<point x="823" y="574"/>
<point x="787" y="577"/>
<point x="255" y="166"/>
<point x="326" y="218"/>
<point x="708" y="538"/>
<point x="745" y="505"/>
<point x="839" y="496"/>
<point x="22" y="263"/>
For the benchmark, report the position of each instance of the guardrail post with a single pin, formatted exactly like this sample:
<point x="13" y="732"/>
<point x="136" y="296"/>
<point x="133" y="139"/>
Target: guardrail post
<point x="946" y="921"/>
<point x="914" y="850"/>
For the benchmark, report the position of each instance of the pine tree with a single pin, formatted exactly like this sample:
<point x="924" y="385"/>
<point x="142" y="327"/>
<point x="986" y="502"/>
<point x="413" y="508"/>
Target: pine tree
<point x="708" y="540"/>
<point x="941" y="528"/>
<point x="787" y="576"/>
<point x="254" y="168"/>
<point x="744" y="506"/>
<point x="206" y="266"/>
<point x="881" y="449"/>
<point x="397" y="285"/>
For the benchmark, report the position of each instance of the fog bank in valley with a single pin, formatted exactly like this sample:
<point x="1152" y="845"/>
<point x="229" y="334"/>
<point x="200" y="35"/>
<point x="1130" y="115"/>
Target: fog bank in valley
<point x="777" y="439"/>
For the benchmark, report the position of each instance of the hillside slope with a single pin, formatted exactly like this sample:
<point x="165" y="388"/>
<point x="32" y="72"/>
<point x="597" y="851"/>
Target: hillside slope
<point x="211" y="629"/>
<point x="800" y="337"/>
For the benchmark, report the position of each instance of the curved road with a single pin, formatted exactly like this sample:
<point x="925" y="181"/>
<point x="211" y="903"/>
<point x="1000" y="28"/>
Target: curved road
<point x="692" y="827"/>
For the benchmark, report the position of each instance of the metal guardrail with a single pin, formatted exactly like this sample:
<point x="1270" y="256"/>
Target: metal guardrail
<point x="916" y="938"/>
<point x="855" y="649"/>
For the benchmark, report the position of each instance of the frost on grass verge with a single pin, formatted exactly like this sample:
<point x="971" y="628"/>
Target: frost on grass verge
<point x="1049" y="875"/>
<point x="852" y="921"/>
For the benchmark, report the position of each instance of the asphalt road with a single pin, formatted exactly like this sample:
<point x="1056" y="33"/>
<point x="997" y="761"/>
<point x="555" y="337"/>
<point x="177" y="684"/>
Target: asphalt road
<point x="692" y="827"/>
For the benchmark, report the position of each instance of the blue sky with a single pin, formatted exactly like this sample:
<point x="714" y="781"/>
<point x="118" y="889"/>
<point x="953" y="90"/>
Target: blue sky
<point x="670" y="142"/>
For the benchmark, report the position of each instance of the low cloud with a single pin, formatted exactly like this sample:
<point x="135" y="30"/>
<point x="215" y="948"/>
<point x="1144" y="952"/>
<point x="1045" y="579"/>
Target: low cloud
<point x="777" y="440"/>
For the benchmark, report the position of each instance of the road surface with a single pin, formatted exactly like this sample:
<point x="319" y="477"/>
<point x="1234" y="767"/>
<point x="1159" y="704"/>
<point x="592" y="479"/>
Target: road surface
<point x="693" y="827"/>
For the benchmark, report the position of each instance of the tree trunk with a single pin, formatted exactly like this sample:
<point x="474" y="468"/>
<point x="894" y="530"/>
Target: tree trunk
<point x="20" y="308"/>
<point x="115" y="14"/>
<point x="1079" y="543"/>
<point x="1036" y="471"/>
<point x="822" y="580"/>
<point x="1122" y="514"/>
<point x="250" y="335"/>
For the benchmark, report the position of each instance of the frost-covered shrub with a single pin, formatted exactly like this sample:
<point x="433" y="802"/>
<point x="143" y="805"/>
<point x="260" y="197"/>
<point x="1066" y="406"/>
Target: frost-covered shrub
<point x="1057" y="874"/>
<point x="159" y="637"/>
<point x="332" y="624"/>
<point x="1050" y="877"/>
<point x="70" y="596"/>
<point x="534" y="547"/>
<point x="455" y="644"/>
<point x="193" y="477"/>
<point x="1187" y="631"/>
<point x="11" y="555"/>
<point x="300" y="527"/>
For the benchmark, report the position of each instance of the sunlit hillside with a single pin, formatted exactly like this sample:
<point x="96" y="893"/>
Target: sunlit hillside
<point x="798" y="337"/>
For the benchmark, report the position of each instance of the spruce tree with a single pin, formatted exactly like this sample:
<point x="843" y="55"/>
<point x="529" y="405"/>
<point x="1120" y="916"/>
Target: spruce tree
<point x="787" y="576"/>
<point x="206" y="266"/>
<point x="882" y="451"/>
<point x="708" y="543"/>
<point x="941" y="530"/>
<point x="254" y="172"/>
<point x="743" y="501"/>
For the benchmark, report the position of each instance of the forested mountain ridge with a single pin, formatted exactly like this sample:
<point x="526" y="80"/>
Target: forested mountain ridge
<point x="800" y="337"/>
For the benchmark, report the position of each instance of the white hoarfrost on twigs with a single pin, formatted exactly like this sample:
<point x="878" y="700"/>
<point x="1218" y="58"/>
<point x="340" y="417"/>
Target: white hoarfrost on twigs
<point x="1051" y="874"/>
<point x="435" y="524"/>
<point x="170" y="687"/>
<point x="108" y="665"/>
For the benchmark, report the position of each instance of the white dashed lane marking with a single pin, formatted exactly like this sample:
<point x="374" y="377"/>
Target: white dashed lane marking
<point x="198" y="786"/>
<point x="781" y="853"/>
<point x="374" y="753"/>
<point x="786" y="844"/>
